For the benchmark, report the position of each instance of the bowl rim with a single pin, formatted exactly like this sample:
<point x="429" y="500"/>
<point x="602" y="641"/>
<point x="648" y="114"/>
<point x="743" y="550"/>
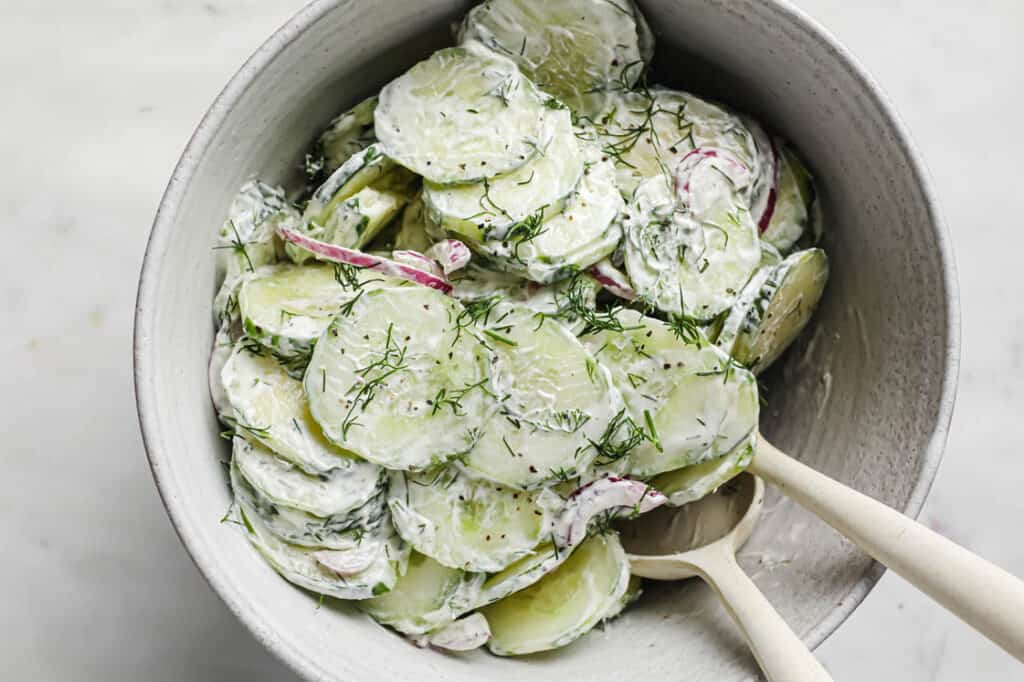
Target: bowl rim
<point x="160" y="239"/>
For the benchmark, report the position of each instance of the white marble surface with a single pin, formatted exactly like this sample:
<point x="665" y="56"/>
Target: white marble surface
<point x="98" y="100"/>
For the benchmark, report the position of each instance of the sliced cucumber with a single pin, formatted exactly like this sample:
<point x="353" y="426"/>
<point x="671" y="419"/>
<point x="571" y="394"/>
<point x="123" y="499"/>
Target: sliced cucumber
<point x="563" y="605"/>
<point x="522" y="573"/>
<point x="487" y="210"/>
<point x="634" y="591"/>
<point x="577" y="50"/>
<point x="286" y="307"/>
<point x="340" y="532"/>
<point x="691" y="483"/>
<point x="649" y="131"/>
<point x="271" y="407"/>
<point x="793" y="204"/>
<point x="347" y="487"/>
<point x="774" y="309"/>
<point x="555" y="399"/>
<point x="397" y="382"/>
<point x="461" y="115"/>
<point x="561" y="244"/>
<point x="347" y="135"/>
<point x="690" y="254"/>
<point x="247" y="239"/>
<point x="687" y="400"/>
<point x="466" y="523"/>
<point x="299" y="565"/>
<point x="360" y="170"/>
<point x="413" y="234"/>
<point x="428" y="596"/>
<point x="222" y="345"/>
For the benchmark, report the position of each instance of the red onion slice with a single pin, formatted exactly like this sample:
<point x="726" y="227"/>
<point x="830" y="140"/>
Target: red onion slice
<point x="415" y="259"/>
<point x="613" y="279"/>
<point x="339" y="254"/>
<point x="451" y="254"/>
<point x="465" y="634"/>
<point x="598" y="496"/>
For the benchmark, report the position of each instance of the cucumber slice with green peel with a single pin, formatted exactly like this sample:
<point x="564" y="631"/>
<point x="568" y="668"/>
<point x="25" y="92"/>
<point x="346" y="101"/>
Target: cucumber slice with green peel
<point x="563" y="605"/>
<point x="413" y="233"/>
<point x="795" y="196"/>
<point x="427" y="597"/>
<point x="299" y="565"/>
<point x="577" y="50"/>
<point x="691" y="483"/>
<point x="271" y="407"/>
<point x="774" y="309"/>
<point x="561" y="244"/>
<point x="356" y="221"/>
<point x="687" y="400"/>
<point x="461" y="115"/>
<point x="555" y="400"/>
<point x="487" y="210"/>
<point x="287" y="307"/>
<point x="634" y="590"/>
<point x="522" y="573"/>
<point x="649" y="131"/>
<point x="339" y="532"/>
<point x="467" y="523"/>
<point x="222" y="345"/>
<point x="690" y="249"/>
<point x="247" y="240"/>
<point x="397" y="382"/>
<point x="361" y="170"/>
<point x="347" y="135"/>
<point x="347" y="487"/>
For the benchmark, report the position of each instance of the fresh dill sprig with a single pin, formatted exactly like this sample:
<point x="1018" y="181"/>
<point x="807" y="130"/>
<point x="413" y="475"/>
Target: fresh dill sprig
<point x="619" y="438"/>
<point x="525" y="231"/>
<point x="453" y="398"/>
<point x="237" y="244"/>
<point x="391" y="362"/>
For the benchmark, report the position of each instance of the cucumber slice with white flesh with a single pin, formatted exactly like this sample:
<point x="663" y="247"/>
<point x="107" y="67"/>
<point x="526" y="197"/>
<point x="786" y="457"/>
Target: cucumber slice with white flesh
<point x="795" y="196"/>
<point x="347" y="487"/>
<point x="461" y="115"/>
<point x="577" y="50"/>
<point x="687" y="400"/>
<point x="563" y="605"/>
<point x="384" y="558"/>
<point x="428" y="596"/>
<point x="691" y="483"/>
<point x="222" y="345"/>
<point x="396" y="382"/>
<point x="554" y="401"/>
<point x="487" y="210"/>
<point x="691" y="249"/>
<point x="556" y="246"/>
<point x="347" y="135"/>
<point x="774" y="308"/>
<point x="466" y="523"/>
<point x="567" y="301"/>
<point x="649" y="131"/>
<point x="271" y="407"/>
<point x="361" y="170"/>
<point x="338" y="532"/>
<point x="413" y="233"/>
<point x="286" y="308"/>
<point x="247" y="240"/>
<point x="634" y="590"/>
<point x="522" y="573"/>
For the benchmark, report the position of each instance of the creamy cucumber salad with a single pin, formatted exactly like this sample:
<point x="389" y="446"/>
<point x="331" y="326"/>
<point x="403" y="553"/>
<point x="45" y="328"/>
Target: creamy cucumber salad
<point x="524" y="294"/>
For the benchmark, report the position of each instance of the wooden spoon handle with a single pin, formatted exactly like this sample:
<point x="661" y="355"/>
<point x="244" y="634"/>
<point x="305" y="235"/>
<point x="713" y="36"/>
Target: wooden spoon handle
<point x="779" y="652"/>
<point x="980" y="593"/>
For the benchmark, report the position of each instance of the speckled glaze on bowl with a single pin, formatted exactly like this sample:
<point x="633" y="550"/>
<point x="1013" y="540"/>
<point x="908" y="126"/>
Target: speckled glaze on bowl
<point x="865" y="396"/>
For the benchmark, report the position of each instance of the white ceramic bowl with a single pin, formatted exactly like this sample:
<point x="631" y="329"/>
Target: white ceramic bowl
<point x="865" y="396"/>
